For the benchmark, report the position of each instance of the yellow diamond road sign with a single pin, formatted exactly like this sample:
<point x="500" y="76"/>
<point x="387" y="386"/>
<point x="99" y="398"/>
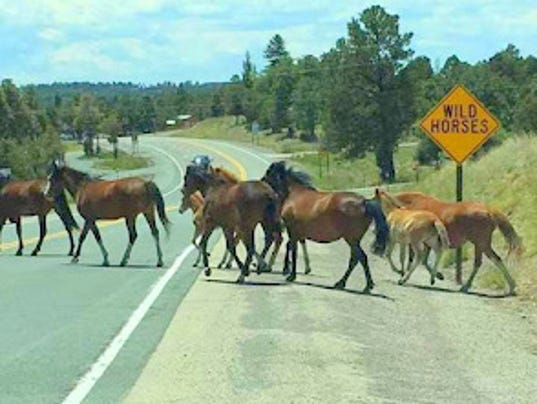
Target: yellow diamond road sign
<point x="459" y="124"/>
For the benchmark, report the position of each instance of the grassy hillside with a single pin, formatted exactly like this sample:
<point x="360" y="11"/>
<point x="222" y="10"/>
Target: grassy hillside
<point x="342" y="173"/>
<point x="505" y="178"/>
<point x="226" y="128"/>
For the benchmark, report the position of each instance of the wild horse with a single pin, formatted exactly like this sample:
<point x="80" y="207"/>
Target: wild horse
<point x="416" y="229"/>
<point x="473" y="222"/>
<point x="27" y="198"/>
<point x="237" y="208"/>
<point x="325" y="217"/>
<point x="123" y="198"/>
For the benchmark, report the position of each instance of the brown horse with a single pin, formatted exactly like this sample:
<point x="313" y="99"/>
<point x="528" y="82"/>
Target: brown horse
<point x="236" y="208"/>
<point x="123" y="198"/>
<point x="473" y="222"/>
<point x="325" y="217"/>
<point x="27" y="198"/>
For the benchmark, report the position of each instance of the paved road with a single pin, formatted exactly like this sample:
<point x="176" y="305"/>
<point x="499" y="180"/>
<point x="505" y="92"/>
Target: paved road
<point x="57" y="318"/>
<point x="261" y="342"/>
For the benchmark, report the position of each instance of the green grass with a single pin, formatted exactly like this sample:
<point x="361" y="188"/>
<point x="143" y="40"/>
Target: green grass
<point x="71" y="146"/>
<point x="226" y="128"/>
<point x="125" y="161"/>
<point x="345" y="173"/>
<point x="506" y="179"/>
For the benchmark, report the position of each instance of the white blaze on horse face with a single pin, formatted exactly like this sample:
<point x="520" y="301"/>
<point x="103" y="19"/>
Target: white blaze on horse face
<point x="46" y="191"/>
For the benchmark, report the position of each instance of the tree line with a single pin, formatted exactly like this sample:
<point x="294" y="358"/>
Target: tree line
<point x="362" y="95"/>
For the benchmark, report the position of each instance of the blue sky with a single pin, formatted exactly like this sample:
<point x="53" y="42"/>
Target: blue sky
<point x="149" y="41"/>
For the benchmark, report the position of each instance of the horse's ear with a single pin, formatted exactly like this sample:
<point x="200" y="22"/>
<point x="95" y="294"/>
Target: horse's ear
<point x="377" y="193"/>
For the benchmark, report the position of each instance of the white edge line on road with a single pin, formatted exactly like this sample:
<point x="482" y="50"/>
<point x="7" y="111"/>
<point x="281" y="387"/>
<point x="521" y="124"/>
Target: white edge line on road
<point x="257" y="156"/>
<point x="175" y="162"/>
<point x="87" y="381"/>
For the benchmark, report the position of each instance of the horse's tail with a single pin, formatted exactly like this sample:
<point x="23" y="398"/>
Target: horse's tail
<point x="156" y="196"/>
<point x="61" y="207"/>
<point x="508" y="231"/>
<point x="442" y="233"/>
<point x="373" y="209"/>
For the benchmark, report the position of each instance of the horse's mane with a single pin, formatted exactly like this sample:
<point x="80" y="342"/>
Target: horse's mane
<point x="80" y="175"/>
<point x="301" y="177"/>
<point x="226" y="174"/>
<point x="199" y="172"/>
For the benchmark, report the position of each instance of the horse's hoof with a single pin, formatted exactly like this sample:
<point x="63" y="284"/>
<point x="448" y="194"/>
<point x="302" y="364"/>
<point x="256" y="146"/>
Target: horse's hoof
<point x="432" y="281"/>
<point x="123" y="263"/>
<point x="74" y="260"/>
<point x="440" y="276"/>
<point x="70" y="253"/>
<point x="207" y="271"/>
<point x="18" y="253"/>
<point x="286" y="271"/>
<point x="401" y="282"/>
<point x="368" y="288"/>
<point x="160" y="264"/>
<point x="106" y="263"/>
<point x="34" y="253"/>
<point x="290" y="278"/>
<point x="464" y="289"/>
<point x="240" y="279"/>
<point x="340" y="285"/>
<point x="228" y="266"/>
<point x="307" y="271"/>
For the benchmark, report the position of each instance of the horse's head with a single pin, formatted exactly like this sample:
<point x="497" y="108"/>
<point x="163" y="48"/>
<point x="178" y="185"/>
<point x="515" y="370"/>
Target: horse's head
<point x="196" y="179"/>
<point x="387" y="201"/>
<point x="62" y="177"/>
<point x="276" y="177"/>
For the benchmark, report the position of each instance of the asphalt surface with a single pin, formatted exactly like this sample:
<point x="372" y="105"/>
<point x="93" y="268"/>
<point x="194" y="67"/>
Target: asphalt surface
<point x="210" y="340"/>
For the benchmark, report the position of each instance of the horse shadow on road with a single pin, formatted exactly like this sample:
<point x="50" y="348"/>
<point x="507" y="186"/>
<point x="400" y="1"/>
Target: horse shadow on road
<point x="455" y="291"/>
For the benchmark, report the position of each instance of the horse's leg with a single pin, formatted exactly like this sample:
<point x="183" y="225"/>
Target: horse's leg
<point x="412" y="265"/>
<point x="2" y="222"/>
<point x="478" y="260"/>
<point x="495" y="258"/>
<point x="247" y="238"/>
<point x="306" y="257"/>
<point x="277" y="245"/>
<point x="231" y="246"/>
<point x="42" y="233"/>
<point x="150" y="218"/>
<point x="402" y="258"/>
<point x="131" y="228"/>
<point x="203" y="247"/>
<point x="18" y="228"/>
<point x="389" y="250"/>
<point x="437" y="250"/>
<point x="71" y="240"/>
<point x="81" y="239"/>
<point x="357" y="254"/>
<point x="288" y="247"/>
<point x="292" y="247"/>
<point x="98" y="238"/>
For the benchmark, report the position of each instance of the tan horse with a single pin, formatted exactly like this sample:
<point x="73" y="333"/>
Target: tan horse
<point x="325" y="217"/>
<point x="195" y="203"/>
<point x="27" y="198"/>
<point x="123" y="198"/>
<point x="473" y="222"/>
<point x="415" y="229"/>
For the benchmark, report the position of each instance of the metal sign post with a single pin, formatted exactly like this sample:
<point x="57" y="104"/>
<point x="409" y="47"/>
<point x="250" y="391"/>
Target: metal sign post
<point x="459" y="124"/>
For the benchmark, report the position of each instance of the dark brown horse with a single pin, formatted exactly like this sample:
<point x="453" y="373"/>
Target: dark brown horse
<point x="237" y="209"/>
<point x="123" y="198"/>
<point x="325" y="217"/>
<point x="473" y="222"/>
<point x="27" y="198"/>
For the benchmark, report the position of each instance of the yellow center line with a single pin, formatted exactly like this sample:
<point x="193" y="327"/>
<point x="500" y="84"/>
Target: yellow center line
<point x="62" y="234"/>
